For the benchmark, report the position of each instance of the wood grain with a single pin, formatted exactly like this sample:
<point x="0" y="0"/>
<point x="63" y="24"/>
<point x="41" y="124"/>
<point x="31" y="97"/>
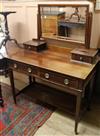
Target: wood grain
<point x="50" y="60"/>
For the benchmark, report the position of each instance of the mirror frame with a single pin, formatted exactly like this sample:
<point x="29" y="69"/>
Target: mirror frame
<point x="87" y="27"/>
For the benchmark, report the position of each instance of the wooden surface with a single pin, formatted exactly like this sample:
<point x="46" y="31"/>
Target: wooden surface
<point x="53" y="66"/>
<point x="57" y="61"/>
<point x="85" y="52"/>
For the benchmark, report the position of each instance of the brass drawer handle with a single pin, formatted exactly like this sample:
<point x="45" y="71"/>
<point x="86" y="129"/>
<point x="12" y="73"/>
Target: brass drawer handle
<point x="29" y="47"/>
<point x="66" y="81"/>
<point x="81" y="58"/>
<point x="15" y="66"/>
<point x="29" y="70"/>
<point x="46" y="75"/>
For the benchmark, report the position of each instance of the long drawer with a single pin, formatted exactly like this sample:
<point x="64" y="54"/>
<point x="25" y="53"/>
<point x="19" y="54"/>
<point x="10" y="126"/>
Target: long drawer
<point x="48" y="75"/>
<point x="22" y="67"/>
<point x="58" y="78"/>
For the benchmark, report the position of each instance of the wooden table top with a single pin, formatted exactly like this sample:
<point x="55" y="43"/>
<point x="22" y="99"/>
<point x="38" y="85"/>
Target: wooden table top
<point x="56" y="60"/>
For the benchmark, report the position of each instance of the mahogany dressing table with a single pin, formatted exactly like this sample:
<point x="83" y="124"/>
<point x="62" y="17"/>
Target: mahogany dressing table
<point x="53" y="66"/>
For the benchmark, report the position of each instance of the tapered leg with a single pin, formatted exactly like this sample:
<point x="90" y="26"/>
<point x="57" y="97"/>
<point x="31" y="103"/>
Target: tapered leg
<point x="77" y="114"/>
<point x="1" y="99"/>
<point x="12" y="85"/>
<point x="91" y="88"/>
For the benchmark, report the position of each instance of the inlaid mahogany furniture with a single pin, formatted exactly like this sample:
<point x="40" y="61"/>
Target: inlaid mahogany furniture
<point x="53" y="66"/>
<point x="4" y="70"/>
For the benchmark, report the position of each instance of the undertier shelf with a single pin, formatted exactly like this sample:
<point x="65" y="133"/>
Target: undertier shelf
<point x="52" y="96"/>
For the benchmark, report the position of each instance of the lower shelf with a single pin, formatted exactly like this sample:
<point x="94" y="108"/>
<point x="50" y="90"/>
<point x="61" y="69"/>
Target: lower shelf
<point x="51" y="96"/>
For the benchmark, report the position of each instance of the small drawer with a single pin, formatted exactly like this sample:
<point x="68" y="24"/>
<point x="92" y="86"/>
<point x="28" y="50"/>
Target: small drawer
<point x="28" y="47"/>
<point x="21" y="67"/>
<point x="84" y="55"/>
<point x="58" y="78"/>
<point x="35" y="45"/>
<point x="82" y="58"/>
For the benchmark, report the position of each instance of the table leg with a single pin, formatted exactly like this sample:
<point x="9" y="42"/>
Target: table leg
<point x="91" y="88"/>
<point x="77" y="114"/>
<point x="1" y="99"/>
<point x="12" y="85"/>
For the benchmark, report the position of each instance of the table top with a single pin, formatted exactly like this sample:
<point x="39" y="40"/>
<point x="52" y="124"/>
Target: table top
<point x="57" y="60"/>
<point x="5" y="13"/>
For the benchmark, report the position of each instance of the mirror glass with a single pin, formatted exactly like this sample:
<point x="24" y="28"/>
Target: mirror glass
<point x="66" y="23"/>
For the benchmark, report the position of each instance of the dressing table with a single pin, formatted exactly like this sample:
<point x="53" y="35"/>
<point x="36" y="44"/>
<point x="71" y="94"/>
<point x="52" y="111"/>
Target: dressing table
<point x="64" y="81"/>
<point x="57" y="69"/>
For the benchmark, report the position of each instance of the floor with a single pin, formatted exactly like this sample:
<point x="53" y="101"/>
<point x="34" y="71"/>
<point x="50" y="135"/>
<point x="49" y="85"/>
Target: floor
<point x="62" y="124"/>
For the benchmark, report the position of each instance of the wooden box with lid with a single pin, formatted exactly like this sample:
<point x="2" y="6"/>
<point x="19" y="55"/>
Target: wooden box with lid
<point x="84" y="55"/>
<point x="35" y="45"/>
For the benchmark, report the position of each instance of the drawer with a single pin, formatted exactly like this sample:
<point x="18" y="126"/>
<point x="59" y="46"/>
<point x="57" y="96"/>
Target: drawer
<point x="58" y="78"/>
<point x="35" y="45"/>
<point x="82" y="58"/>
<point x="21" y="67"/>
<point x="84" y="55"/>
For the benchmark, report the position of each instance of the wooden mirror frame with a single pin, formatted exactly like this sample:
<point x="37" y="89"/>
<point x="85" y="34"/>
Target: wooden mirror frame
<point x="87" y="27"/>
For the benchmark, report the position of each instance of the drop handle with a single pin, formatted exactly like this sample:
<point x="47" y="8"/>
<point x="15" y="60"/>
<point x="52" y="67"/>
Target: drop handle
<point x="46" y="75"/>
<point x="29" y="70"/>
<point x="15" y="65"/>
<point x="66" y="81"/>
<point x="81" y="58"/>
<point x="29" y="47"/>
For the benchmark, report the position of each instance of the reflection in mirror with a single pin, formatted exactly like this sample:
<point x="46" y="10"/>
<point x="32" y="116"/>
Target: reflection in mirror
<point x="63" y="22"/>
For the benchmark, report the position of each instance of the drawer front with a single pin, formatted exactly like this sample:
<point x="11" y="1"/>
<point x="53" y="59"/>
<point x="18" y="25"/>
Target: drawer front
<point x="31" y="48"/>
<point x="58" y="78"/>
<point x="35" y="48"/>
<point x="28" y="47"/>
<point x="82" y="58"/>
<point x="21" y="67"/>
